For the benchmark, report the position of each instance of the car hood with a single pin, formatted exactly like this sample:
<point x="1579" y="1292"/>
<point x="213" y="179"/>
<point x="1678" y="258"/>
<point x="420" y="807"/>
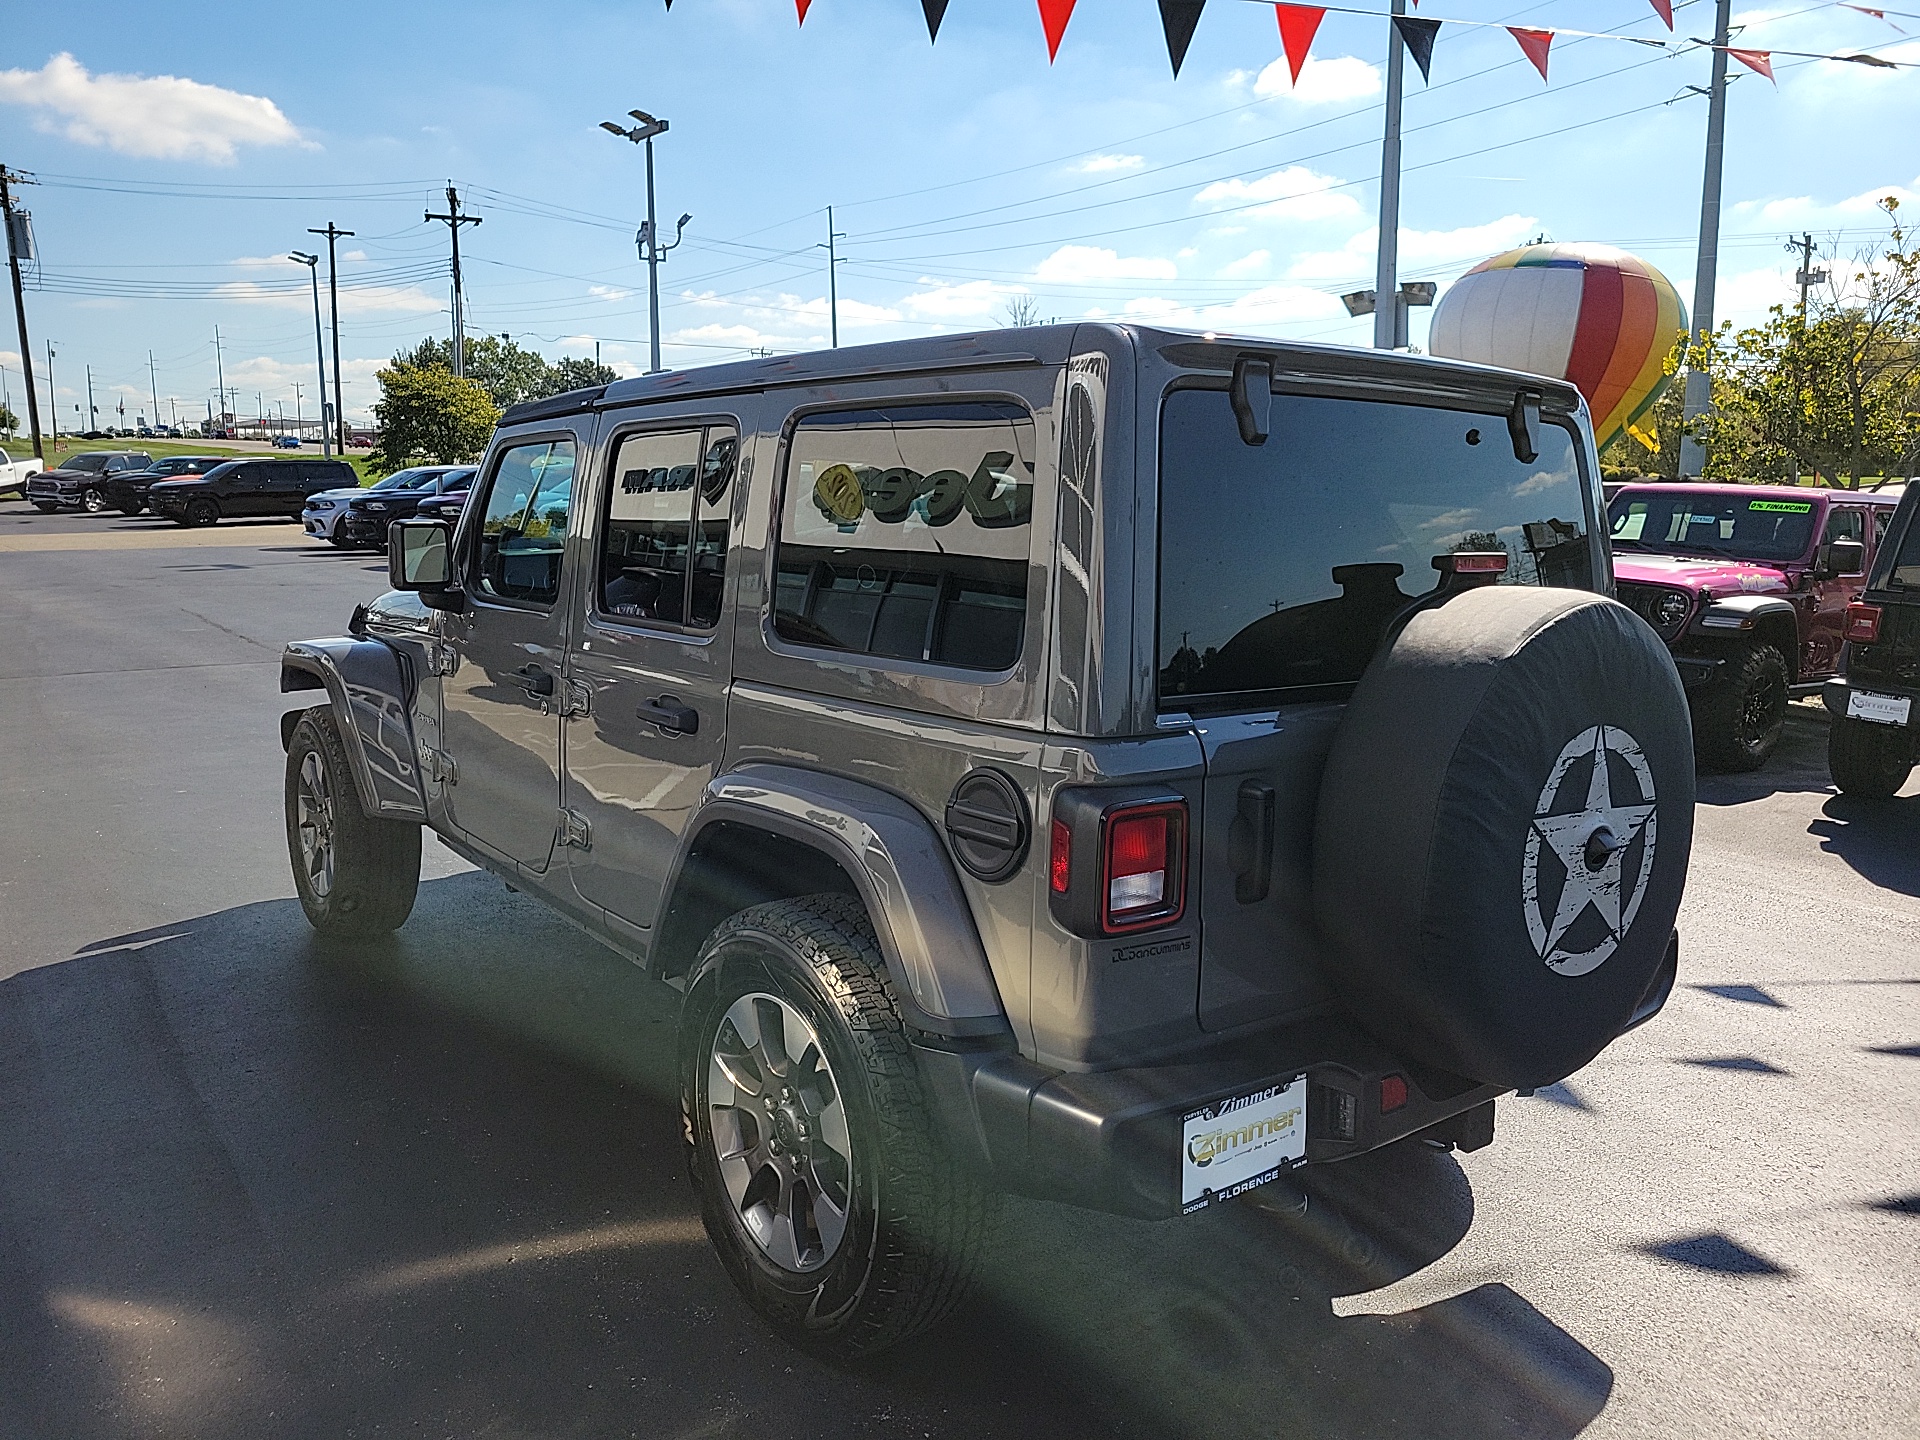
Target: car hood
<point x="1701" y="575"/>
<point x="341" y="494"/>
<point x="178" y="482"/>
<point x="58" y="473"/>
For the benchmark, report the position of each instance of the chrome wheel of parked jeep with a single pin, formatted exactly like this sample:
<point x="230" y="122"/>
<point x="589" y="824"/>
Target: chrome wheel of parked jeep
<point x="314" y="811"/>
<point x="779" y="1132"/>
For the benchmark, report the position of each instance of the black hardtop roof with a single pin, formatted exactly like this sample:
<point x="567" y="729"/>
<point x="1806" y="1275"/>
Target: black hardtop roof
<point x="1036" y="344"/>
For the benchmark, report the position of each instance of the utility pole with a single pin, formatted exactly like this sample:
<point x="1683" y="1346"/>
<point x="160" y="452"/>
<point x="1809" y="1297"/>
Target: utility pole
<point x="333" y="307"/>
<point x="454" y="220"/>
<point x="154" y="381"/>
<point x="20" y="247"/>
<point x="648" y="240"/>
<point x="92" y="415"/>
<point x="1386" y="274"/>
<point x="833" y="277"/>
<point x="1699" y="398"/>
<point x="1806" y="277"/>
<point x="220" y="370"/>
<point x="312" y="262"/>
<point x="53" y="397"/>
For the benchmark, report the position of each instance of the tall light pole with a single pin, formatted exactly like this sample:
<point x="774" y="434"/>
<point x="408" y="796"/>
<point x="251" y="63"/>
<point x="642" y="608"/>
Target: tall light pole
<point x="1386" y="274"/>
<point x="1699" y="399"/>
<point x="154" y="381"/>
<point x="20" y="247"/>
<point x="220" y="372"/>
<point x="312" y="262"/>
<point x="333" y="233"/>
<point x="53" y="396"/>
<point x="651" y="250"/>
<point x="92" y="414"/>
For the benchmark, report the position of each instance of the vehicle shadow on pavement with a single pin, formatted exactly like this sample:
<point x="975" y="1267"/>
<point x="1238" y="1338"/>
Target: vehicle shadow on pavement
<point x="1797" y="765"/>
<point x="1879" y="838"/>
<point x="254" y="1186"/>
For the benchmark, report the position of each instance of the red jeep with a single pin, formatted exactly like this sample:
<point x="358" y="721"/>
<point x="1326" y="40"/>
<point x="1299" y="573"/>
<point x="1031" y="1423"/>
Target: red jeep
<point x="1749" y="586"/>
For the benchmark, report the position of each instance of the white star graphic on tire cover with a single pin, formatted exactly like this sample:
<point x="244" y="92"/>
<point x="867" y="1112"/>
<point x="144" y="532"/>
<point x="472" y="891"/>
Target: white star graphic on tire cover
<point x="1567" y="836"/>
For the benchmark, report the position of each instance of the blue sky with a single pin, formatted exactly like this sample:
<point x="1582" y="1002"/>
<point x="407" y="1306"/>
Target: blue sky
<point x="184" y="149"/>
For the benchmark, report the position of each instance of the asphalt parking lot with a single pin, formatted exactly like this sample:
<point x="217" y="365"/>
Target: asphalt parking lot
<point x="252" y="1188"/>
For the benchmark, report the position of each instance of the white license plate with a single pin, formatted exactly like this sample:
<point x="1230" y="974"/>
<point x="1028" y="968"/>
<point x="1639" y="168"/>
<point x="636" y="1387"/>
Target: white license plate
<point x="1880" y="709"/>
<point x="1235" y="1144"/>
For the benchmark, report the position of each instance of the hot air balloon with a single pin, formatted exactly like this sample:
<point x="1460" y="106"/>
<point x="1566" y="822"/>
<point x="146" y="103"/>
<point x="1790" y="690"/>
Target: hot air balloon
<point x="1591" y="314"/>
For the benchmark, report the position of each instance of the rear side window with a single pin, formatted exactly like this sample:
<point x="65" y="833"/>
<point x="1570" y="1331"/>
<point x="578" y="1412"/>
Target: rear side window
<point x="523" y="530"/>
<point x="1906" y="564"/>
<point x="663" y="557"/>
<point x="1281" y="565"/>
<point x="905" y="533"/>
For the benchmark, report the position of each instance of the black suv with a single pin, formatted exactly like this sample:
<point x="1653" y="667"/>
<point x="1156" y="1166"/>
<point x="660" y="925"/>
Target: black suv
<point x="126" y="490"/>
<point x="244" y="488"/>
<point x="1875" y="702"/>
<point x="369" y="514"/>
<point x="78" y="480"/>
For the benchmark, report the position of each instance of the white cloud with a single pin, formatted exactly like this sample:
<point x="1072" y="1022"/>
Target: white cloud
<point x="973" y="300"/>
<point x="1105" y="164"/>
<point x="608" y="292"/>
<point x="1293" y="193"/>
<point x="1264" y="308"/>
<point x="1253" y="263"/>
<point x="354" y="300"/>
<point x="160" y="117"/>
<point x="1078" y="264"/>
<point x="1854" y="211"/>
<point x="1418" y="249"/>
<point x="1322" y="82"/>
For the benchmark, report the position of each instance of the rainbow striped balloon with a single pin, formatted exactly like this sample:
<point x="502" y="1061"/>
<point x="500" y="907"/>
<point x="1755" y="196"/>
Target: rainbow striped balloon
<point x="1591" y="314"/>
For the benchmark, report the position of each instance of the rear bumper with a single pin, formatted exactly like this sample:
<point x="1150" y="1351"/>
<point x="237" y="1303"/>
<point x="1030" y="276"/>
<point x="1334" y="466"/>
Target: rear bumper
<point x="1836" y="693"/>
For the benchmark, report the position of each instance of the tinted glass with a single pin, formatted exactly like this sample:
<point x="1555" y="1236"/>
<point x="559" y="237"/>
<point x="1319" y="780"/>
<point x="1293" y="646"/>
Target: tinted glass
<point x="88" y="464"/>
<point x="524" y="529"/>
<point x="904" y="533"/>
<point x="1282" y="564"/>
<point x="221" y="471"/>
<point x="1679" y="522"/>
<point x="1906" y="563"/>
<point x="643" y="558"/>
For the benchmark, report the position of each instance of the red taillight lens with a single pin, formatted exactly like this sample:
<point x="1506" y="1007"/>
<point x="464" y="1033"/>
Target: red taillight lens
<point x="1863" y="623"/>
<point x="1393" y="1093"/>
<point x="1060" y="859"/>
<point x="1143" y="877"/>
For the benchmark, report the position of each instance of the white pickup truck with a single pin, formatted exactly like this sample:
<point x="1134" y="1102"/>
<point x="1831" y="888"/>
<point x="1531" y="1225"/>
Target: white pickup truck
<point x="14" y="473"/>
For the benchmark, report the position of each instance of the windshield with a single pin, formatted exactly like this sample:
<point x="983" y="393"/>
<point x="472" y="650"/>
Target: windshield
<point x="1730" y="526"/>
<point x="405" y="480"/>
<point x="1282" y="564"/>
<point x="87" y="464"/>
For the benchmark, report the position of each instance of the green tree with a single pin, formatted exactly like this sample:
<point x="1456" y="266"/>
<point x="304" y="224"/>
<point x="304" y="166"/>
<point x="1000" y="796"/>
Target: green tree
<point x="426" y="413"/>
<point x="571" y="374"/>
<point x="9" y="421"/>
<point x="508" y="373"/>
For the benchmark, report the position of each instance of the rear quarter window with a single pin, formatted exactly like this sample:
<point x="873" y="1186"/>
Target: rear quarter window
<point x="1281" y="565"/>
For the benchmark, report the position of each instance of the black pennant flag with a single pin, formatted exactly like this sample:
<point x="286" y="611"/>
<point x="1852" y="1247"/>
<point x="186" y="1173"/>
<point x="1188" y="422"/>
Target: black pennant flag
<point x="1417" y="36"/>
<point x="936" y="12"/>
<point x="1179" y="17"/>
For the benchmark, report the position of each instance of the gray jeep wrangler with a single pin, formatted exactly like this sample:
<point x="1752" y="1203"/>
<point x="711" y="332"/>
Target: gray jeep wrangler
<point x="1103" y="763"/>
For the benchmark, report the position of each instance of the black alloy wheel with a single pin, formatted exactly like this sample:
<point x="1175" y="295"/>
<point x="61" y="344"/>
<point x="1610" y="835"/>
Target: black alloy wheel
<point x="200" y="511"/>
<point x="1739" y="717"/>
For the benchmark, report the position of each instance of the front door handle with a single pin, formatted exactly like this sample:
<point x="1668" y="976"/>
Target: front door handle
<point x="671" y="716"/>
<point x="534" y="680"/>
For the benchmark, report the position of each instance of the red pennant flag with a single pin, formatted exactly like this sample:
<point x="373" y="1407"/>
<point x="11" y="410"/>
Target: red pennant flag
<point x="1298" y="23"/>
<point x="801" y="6"/>
<point x="1054" y="15"/>
<point x="1758" y="60"/>
<point x="1534" y="43"/>
<point x="1664" y="9"/>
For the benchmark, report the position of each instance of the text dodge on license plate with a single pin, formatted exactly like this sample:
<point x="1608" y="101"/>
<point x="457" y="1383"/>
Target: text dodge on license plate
<point x="1235" y="1144"/>
<point x="1880" y="709"/>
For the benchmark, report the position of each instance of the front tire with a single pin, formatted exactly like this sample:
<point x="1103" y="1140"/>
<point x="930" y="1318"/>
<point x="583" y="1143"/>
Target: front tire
<point x="200" y="512"/>
<point x="93" y="502"/>
<point x="824" y="1183"/>
<point x="131" y="510"/>
<point x="1871" y="761"/>
<point x="44" y="508"/>
<point x="356" y="876"/>
<point x="1738" y="719"/>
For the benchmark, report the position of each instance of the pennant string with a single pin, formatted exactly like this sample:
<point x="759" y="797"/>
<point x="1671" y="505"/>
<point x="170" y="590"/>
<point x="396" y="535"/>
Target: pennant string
<point x="1534" y="44"/>
<point x="1298" y="24"/>
<point x="1418" y="36"/>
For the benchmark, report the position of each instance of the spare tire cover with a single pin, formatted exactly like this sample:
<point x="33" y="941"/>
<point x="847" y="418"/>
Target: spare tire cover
<point x="1476" y="916"/>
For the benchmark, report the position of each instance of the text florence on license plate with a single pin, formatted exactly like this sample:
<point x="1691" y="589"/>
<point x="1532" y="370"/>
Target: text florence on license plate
<point x="1881" y="709"/>
<point x="1235" y="1144"/>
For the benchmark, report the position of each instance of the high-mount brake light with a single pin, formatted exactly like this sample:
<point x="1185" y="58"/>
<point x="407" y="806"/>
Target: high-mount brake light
<point x="1472" y="562"/>
<point x="1393" y="1093"/>
<point x="1863" y="623"/>
<point x="1143" y="877"/>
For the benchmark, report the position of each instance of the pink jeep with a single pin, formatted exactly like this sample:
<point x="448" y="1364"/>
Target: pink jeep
<point x="1749" y="586"/>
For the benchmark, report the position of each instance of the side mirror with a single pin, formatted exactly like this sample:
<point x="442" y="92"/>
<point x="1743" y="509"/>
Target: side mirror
<point x="420" y="558"/>
<point x="1251" y="394"/>
<point x="1843" y="557"/>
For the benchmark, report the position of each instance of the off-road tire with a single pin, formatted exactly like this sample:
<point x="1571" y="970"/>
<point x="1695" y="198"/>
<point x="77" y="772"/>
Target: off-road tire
<point x="1739" y="716"/>
<point x="44" y="508"/>
<point x="1868" y="760"/>
<point x="93" y="502"/>
<point x="375" y="870"/>
<point x="200" y="511"/>
<point x="916" y="1217"/>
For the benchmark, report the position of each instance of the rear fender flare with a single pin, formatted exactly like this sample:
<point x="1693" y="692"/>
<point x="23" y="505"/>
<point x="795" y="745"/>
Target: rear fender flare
<point x="896" y="863"/>
<point x="370" y="689"/>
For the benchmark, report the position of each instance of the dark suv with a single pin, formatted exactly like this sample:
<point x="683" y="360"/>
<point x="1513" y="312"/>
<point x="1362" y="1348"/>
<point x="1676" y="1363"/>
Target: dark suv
<point x="372" y="511"/>
<point x="1103" y="762"/>
<point x="126" y="491"/>
<point x="241" y="489"/>
<point x="79" y="481"/>
<point x="1874" y="741"/>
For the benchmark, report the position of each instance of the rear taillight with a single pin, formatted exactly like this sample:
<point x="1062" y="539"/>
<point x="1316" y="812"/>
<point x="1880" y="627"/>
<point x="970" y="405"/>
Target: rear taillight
<point x="1060" y="859"/>
<point x="1863" y="623"/>
<point x="1143" y="866"/>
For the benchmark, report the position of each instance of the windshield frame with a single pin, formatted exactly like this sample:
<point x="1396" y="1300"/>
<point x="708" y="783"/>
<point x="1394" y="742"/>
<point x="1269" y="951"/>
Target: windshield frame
<point x="1491" y="400"/>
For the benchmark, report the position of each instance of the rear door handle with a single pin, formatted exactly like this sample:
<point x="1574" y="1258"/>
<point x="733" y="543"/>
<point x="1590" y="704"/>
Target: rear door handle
<point x="534" y="680"/>
<point x="671" y="716"/>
